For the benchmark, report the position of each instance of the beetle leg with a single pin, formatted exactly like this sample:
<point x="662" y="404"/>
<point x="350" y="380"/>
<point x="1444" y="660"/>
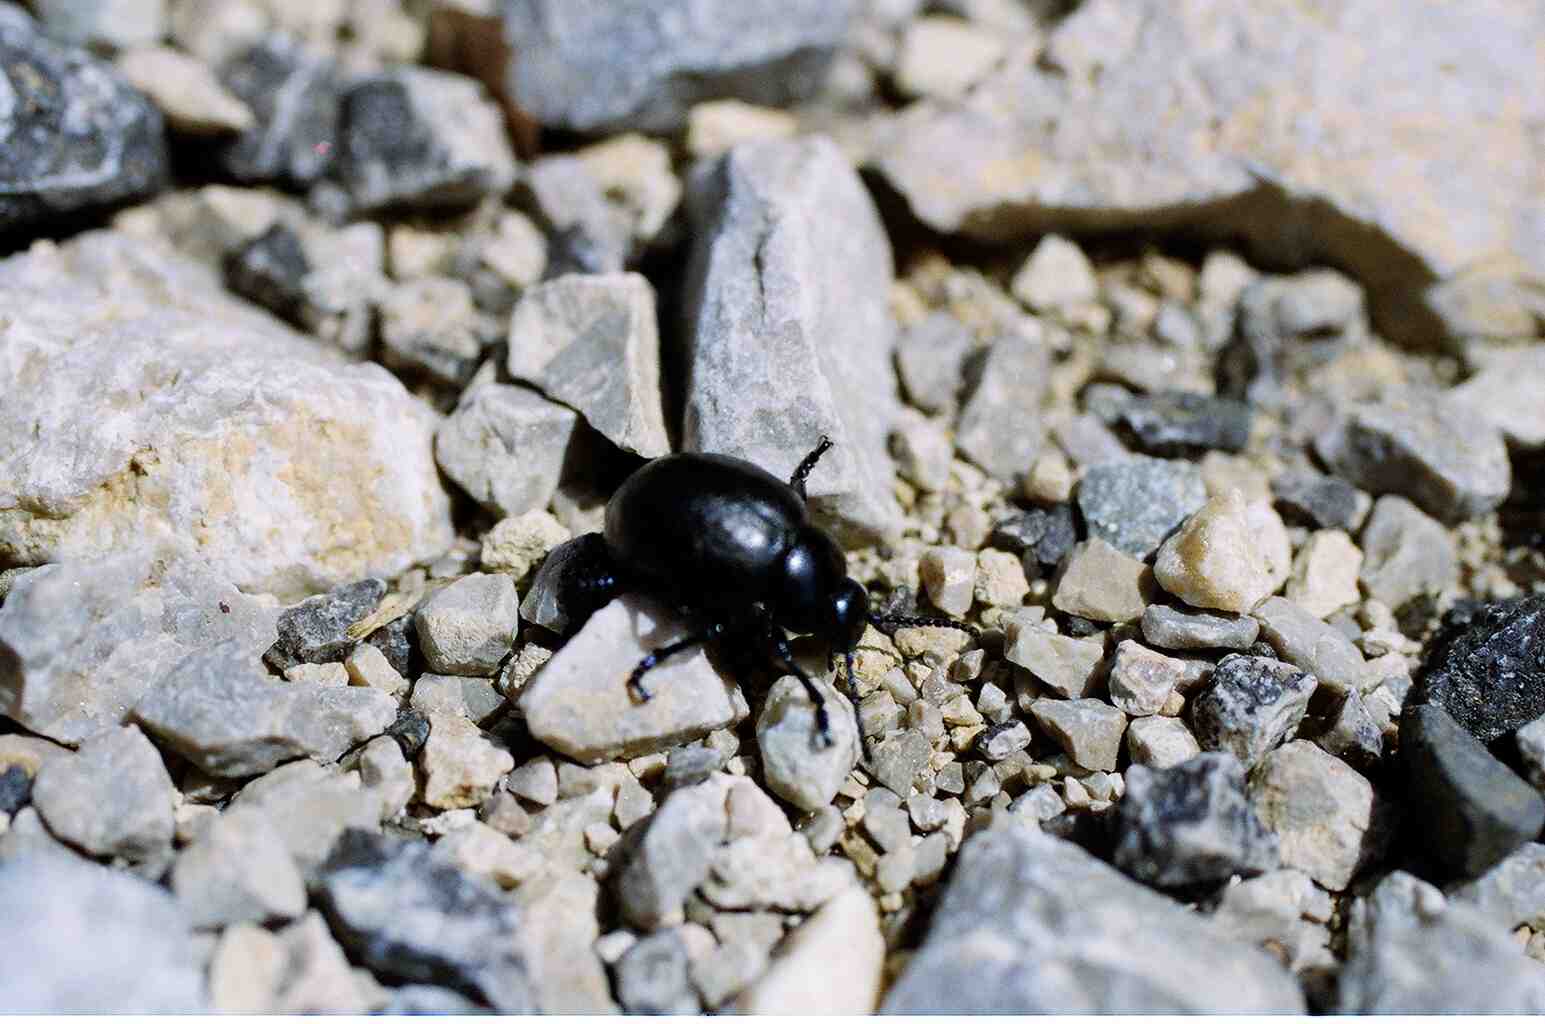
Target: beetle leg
<point x="783" y="658"/>
<point x="659" y="654"/>
<point x="807" y="465"/>
<point x="925" y="620"/>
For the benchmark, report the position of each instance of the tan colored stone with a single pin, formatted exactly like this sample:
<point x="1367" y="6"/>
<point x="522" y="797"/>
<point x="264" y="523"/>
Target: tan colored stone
<point x="1325" y="573"/>
<point x="1215" y="560"/>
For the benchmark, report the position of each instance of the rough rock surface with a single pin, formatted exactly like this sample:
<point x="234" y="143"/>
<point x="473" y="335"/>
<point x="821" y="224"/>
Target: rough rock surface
<point x="790" y="335"/>
<point x="797" y="767"/>
<point x="597" y="66"/>
<point x="1320" y="809"/>
<point x="1489" y="673"/>
<point x="91" y="139"/>
<point x="81" y="641"/>
<point x="1252" y="705"/>
<point x="1134" y="504"/>
<point x="829" y="964"/>
<point x="1033" y="923"/>
<point x="505" y="446"/>
<point x="579" y="703"/>
<point x="1107" y="129"/>
<point x="285" y="468"/>
<point x="292" y="91"/>
<point x="112" y="798"/>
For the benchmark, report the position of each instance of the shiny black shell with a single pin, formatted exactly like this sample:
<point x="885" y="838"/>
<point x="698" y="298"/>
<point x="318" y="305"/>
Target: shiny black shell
<point x="709" y="531"/>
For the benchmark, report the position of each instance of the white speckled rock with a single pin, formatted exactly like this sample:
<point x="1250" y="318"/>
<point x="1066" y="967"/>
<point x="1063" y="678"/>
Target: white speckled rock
<point x="80" y="641"/>
<point x="579" y="703"/>
<point x="153" y="405"/>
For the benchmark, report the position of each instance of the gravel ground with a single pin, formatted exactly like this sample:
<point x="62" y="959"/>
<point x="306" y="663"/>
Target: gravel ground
<point x="1191" y="354"/>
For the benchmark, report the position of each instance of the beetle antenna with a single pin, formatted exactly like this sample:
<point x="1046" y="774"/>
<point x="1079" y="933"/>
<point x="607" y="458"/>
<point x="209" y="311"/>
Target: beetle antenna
<point x="807" y="465"/>
<point x="876" y="619"/>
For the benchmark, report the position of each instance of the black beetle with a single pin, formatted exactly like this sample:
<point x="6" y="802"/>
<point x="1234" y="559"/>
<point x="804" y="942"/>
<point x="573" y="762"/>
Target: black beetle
<point x="732" y="546"/>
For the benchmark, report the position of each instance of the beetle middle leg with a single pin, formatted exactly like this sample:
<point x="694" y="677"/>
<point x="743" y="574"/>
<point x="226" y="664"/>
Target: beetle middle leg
<point x="659" y="654"/>
<point x="783" y="659"/>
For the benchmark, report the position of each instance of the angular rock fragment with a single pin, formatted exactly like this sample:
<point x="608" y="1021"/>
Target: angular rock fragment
<point x="505" y="446"/>
<point x="238" y="870"/>
<point x="467" y="628"/>
<point x="1160" y="742"/>
<point x="1486" y="667"/>
<point x="929" y="357"/>
<point x="591" y="342"/>
<point x="293" y="94"/>
<point x="1187" y="629"/>
<point x="1141" y="680"/>
<point x="1325" y="502"/>
<point x="1251" y="706"/>
<point x="1088" y="730"/>
<point x="459" y="764"/>
<point x="1301" y="639"/>
<point x="1215" y="560"/>
<point x="1319" y="808"/>
<point x="113" y="798"/>
<point x="430" y="325"/>
<point x="999" y="426"/>
<point x="1136" y="503"/>
<point x="790" y="334"/>
<point x="310" y="806"/>
<point x="796" y="765"/>
<point x="670" y="855"/>
<point x="829" y="964"/>
<point x="1103" y="584"/>
<point x="316" y="630"/>
<point x="1066" y="665"/>
<point x="1171" y="423"/>
<point x="1406" y="553"/>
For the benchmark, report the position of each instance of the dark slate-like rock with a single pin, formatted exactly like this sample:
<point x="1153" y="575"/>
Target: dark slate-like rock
<point x="270" y="270"/>
<point x="293" y="93"/>
<point x="1190" y="824"/>
<point x="1324" y="502"/>
<point x="1251" y="705"/>
<point x="1045" y="535"/>
<point x="1487" y="666"/>
<point x="1468" y="809"/>
<point x="1351" y="734"/>
<point x="15" y="789"/>
<point x="411" y="731"/>
<point x="408" y="916"/>
<point x="652" y="976"/>
<point x="1183" y="422"/>
<point x="1030" y="923"/>
<point x="417" y="138"/>
<point x="73" y="134"/>
<point x="316" y="629"/>
<point x="601" y="66"/>
<point x="397" y="640"/>
<point x="1135" y="503"/>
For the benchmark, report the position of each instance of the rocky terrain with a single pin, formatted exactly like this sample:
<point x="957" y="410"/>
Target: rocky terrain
<point x="1193" y="352"/>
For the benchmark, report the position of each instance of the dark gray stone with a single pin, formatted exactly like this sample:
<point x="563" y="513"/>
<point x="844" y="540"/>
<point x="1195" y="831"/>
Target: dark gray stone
<point x="15" y="789"/>
<point x="1190" y="824"/>
<point x="410" y="917"/>
<point x="398" y="641"/>
<point x="270" y="270"/>
<point x="1184" y="423"/>
<point x="1351" y="734"/>
<point x="416" y="138"/>
<point x="316" y="630"/>
<point x="1470" y="809"/>
<point x="1030" y="923"/>
<point x="602" y="66"/>
<point x="1324" y="502"/>
<point x="82" y="938"/>
<point x="1042" y="535"/>
<point x="76" y="135"/>
<point x="293" y="93"/>
<point x="1486" y="666"/>
<point x="1135" y="503"/>
<point x="1189" y="629"/>
<point x="652" y="976"/>
<point x="929" y="358"/>
<point x="1252" y="705"/>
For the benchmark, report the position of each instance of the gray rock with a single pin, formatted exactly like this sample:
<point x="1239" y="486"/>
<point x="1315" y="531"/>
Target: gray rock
<point x="1142" y="680"/>
<point x="1088" y="730"/>
<point x="408" y="916"/>
<point x="1530" y="741"/>
<point x="467" y="628"/>
<point x="1512" y="893"/>
<point x="430" y="325"/>
<point x="1251" y="706"/>
<point x="1324" y="502"/>
<point x="930" y="356"/>
<point x="164" y="407"/>
<point x="505" y="446"/>
<point x="1352" y="734"/>
<point x="588" y="234"/>
<point x="1190" y="629"/>
<point x="1000" y="742"/>
<point x="316" y="630"/>
<point x="1102" y="583"/>
<point x="923" y="450"/>
<point x="591" y="342"/>
<point x="668" y="856"/>
<point x="1099" y="127"/>
<point x="1045" y="535"/>
<point x="789" y="329"/>
<point x="1406" y="553"/>
<point x="472" y="698"/>
<point x="1066" y="665"/>
<point x="579" y="703"/>
<point x="310" y="806"/>
<point x="239" y="869"/>
<point x="1056" y="276"/>
<point x="1404" y="942"/>
<point x="1087" y="441"/>
<point x="226" y="715"/>
<point x="1407" y="445"/>
<point x="899" y="759"/>
<point x="1160" y="742"/>
<point x="113" y="798"/>
<point x="1317" y="647"/>
<point x="103" y="26"/>
<point x="794" y="763"/>
<point x="1471" y="807"/>
<point x="608" y="67"/>
<point x="293" y="93"/>
<point x="1031" y="923"/>
<point x="85" y="939"/>
<point x="419" y="138"/>
<point x="1190" y="824"/>
<point x="1287" y="327"/>
<point x="557" y="944"/>
<point x="1320" y="809"/>
<point x="80" y="137"/>
<point x="1182" y="423"/>
<point x="80" y="641"/>
<point x="999" y="427"/>
<point x="1135" y="503"/>
<point x="1503" y="394"/>
<point x="652" y="976"/>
